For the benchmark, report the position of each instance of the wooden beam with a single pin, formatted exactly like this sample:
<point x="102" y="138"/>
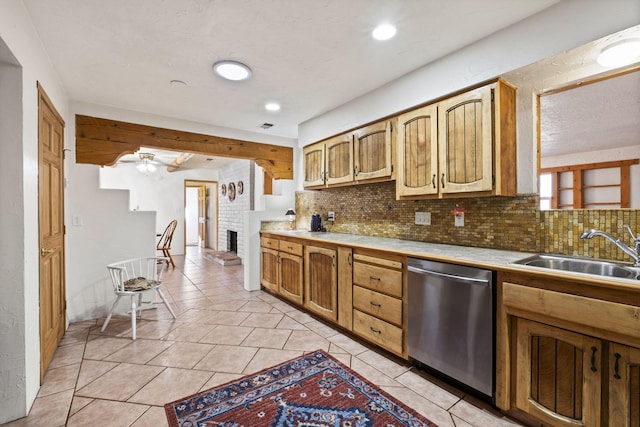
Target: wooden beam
<point x="268" y="184"/>
<point x="103" y="142"/>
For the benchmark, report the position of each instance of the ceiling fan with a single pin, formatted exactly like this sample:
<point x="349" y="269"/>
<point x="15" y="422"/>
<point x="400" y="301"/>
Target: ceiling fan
<point x="148" y="162"/>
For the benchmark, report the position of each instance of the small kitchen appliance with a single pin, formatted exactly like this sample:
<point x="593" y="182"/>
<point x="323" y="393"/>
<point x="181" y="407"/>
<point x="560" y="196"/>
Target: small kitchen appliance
<point x="316" y="222"/>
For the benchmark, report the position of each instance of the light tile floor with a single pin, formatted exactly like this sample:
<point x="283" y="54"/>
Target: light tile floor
<point x="222" y="332"/>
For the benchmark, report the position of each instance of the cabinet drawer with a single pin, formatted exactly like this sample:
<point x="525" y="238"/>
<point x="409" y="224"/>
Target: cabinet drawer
<point x="379" y="279"/>
<point x="378" y="331"/>
<point x="267" y="242"/>
<point x="378" y="305"/>
<point x="290" y="247"/>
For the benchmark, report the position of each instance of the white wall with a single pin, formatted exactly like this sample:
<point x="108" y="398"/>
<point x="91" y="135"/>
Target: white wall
<point x="161" y="192"/>
<point x="19" y="318"/>
<point x="568" y="24"/>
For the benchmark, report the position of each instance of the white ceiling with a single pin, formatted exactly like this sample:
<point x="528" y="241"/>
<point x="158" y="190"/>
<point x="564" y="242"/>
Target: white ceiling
<point x="309" y="55"/>
<point x="593" y="117"/>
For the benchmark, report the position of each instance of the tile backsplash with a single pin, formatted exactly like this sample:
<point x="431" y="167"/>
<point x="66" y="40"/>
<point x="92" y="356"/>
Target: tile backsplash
<point x="513" y="223"/>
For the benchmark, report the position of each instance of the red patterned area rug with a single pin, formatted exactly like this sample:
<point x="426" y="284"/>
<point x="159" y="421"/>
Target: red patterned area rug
<point x="314" y="390"/>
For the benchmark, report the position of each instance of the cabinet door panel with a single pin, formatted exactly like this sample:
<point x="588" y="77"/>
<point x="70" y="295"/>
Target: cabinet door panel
<point x="417" y="152"/>
<point x="339" y="167"/>
<point x="372" y="151"/>
<point x="314" y="165"/>
<point x="291" y="277"/>
<point x="321" y="281"/>
<point x="269" y="268"/>
<point x="624" y="386"/>
<point x="558" y="374"/>
<point x="465" y="142"/>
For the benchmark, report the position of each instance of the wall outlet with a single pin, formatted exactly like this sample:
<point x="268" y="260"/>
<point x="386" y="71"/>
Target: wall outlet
<point x="423" y="218"/>
<point x="459" y="220"/>
<point x="331" y="216"/>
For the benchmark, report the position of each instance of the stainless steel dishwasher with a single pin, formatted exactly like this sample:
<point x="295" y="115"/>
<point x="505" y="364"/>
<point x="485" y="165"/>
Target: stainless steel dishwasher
<point x="451" y="322"/>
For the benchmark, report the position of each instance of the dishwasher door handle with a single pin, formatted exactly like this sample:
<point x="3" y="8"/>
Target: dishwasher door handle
<point x="449" y="276"/>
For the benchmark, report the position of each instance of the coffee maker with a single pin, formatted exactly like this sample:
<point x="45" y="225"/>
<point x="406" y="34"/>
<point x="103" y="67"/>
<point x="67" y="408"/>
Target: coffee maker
<point x="316" y="222"/>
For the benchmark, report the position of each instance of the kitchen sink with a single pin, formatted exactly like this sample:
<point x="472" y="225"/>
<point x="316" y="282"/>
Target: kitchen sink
<point x="582" y="265"/>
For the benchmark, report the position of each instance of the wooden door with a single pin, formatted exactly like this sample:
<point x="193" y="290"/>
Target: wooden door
<point x="465" y="142"/>
<point x="624" y="386"/>
<point x="558" y="375"/>
<point x="202" y="216"/>
<point x="321" y="281"/>
<point x="269" y="271"/>
<point x="418" y="152"/>
<point x="291" y="275"/>
<point x="372" y="151"/>
<point x="339" y="160"/>
<point x="314" y="172"/>
<point x="51" y="229"/>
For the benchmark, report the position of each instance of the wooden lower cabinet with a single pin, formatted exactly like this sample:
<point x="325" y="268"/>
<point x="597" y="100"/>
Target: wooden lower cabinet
<point x="269" y="268"/>
<point x="558" y="375"/>
<point x="624" y="386"/>
<point x="321" y="281"/>
<point x="378" y="305"/>
<point x="570" y="357"/>
<point x="282" y="268"/>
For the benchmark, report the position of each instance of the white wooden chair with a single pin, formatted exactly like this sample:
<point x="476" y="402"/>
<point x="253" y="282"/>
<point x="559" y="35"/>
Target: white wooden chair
<point x="134" y="277"/>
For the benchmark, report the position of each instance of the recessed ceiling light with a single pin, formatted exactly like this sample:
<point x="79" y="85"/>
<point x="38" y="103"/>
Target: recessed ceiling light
<point x="620" y="54"/>
<point x="272" y="106"/>
<point x="232" y="70"/>
<point x="384" y="32"/>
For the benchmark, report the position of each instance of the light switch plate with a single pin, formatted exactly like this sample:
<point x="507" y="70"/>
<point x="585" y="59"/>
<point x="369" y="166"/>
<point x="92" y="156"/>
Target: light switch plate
<point x="459" y="220"/>
<point x="331" y="216"/>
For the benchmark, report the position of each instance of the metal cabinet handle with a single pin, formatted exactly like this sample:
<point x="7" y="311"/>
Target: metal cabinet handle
<point x="350" y="259"/>
<point x="375" y="304"/>
<point x="433" y="180"/>
<point x="442" y="180"/>
<point x="44" y="252"/>
<point x="593" y="359"/>
<point x="616" y="366"/>
<point x="374" y="278"/>
<point x="377" y="331"/>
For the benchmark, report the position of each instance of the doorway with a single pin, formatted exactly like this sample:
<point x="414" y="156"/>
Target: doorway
<point x="201" y="214"/>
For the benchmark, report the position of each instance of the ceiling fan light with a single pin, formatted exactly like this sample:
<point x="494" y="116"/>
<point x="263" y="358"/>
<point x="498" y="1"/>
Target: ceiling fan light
<point x="146" y="167"/>
<point x="232" y="70"/>
<point x="620" y="54"/>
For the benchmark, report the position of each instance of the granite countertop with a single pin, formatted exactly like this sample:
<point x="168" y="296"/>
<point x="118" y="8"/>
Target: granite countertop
<point x="495" y="259"/>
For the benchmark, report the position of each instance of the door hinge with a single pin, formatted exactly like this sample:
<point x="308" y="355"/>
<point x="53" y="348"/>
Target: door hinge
<point x="493" y="95"/>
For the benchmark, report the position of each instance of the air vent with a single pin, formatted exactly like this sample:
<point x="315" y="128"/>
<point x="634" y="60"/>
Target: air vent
<point x="266" y="125"/>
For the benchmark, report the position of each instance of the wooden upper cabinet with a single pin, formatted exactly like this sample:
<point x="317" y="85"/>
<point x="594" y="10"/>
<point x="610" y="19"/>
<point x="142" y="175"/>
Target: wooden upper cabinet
<point x="417" y="140"/>
<point x="465" y="142"/>
<point x="339" y="160"/>
<point x="373" y="151"/>
<point x="314" y="165"/>
<point x="365" y="154"/>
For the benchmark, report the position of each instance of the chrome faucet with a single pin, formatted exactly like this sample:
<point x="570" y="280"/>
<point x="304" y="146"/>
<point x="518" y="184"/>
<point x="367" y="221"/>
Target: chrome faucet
<point x="632" y="252"/>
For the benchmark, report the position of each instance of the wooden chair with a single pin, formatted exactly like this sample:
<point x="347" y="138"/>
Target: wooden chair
<point x="164" y="244"/>
<point x="134" y="277"/>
